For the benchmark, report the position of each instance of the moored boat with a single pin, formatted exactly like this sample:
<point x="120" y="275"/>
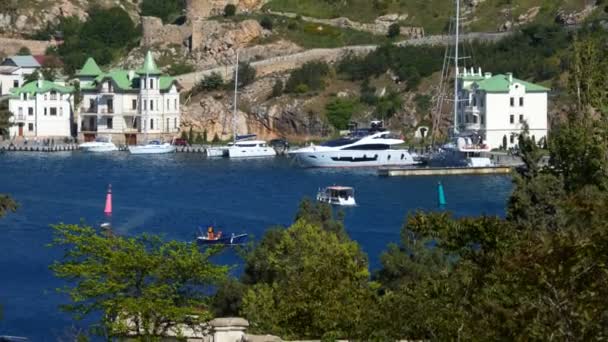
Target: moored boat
<point x="219" y="238"/>
<point x="101" y="144"/>
<point x="337" y="195"/>
<point x="153" y="147"/>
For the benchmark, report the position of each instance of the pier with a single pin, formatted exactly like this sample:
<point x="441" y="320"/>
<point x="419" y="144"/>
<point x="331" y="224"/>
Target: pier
<point x="39" y="148"/>
<point x="442" y="171"/>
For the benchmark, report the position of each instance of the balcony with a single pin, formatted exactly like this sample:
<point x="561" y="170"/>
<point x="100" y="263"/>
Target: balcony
<point x="472" y="110"/>
<point x="88" y="110"/>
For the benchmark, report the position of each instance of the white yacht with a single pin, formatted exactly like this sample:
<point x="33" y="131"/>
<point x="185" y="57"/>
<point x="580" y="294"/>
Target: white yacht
<point x="216" y="151"/>
<point x="464" y="151"/>
<point x="337" y="195"/>
<point x="370" y="151"/>
<point x="250" y="148"/>
<point x="152" y="147"/>
<point x="101" y="144"/>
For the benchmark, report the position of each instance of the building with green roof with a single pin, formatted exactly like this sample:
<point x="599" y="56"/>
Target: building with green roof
<point x="128" y="103"/>
<point x="496" y="107"/>
<point x="41" y="109"/>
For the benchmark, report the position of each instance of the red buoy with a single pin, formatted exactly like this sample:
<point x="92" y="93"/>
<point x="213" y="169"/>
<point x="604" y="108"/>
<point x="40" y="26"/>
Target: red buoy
<point x="108" y="208"/>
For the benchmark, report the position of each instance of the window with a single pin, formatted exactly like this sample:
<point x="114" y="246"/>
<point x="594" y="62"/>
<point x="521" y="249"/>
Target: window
<point x="133" y="104"/>
<point x="151" y="105"/>
<point x="44" y="110"/>
<point x="167" y="108"/>
<point x="175" y="104"/>
<point x="521" y="118"/>
<point x="474" y="119"/>
<point x="145" y="104"/>
<point x="483" y="119"/>
<point x="174" y="122"/>
<point x="474" y="101"/>
<point x="511" y="118"/>
<point x="481" y="100"/>
<point x="151" y="123"/>
<point x="15" y="83"/>
<point x="54" y="111"/>
<point x="60" y="111"/>
<point x="521" y="101"/>
<point x="109" y="123"/>
<point x="91" y="104"/>
<point x="20" y="111"/>
<point x="168" y="125"/>
<point x="512" y="138"/>
<point x="151" y="83"/>
<point x="53" y="95"/>
<point x="30" y="111"/>
<point x="512" y="102"/>
<point x="30" y="127"/>
<point x="46" y="97"/>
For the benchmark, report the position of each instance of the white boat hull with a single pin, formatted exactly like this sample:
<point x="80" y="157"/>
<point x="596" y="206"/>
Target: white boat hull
<point x="347" y="202"/>
<point x="98" y="148"/>
<point x="355" y="158"/>
<point x="214" y="152"/>
<point x="251" y="152"/>
<point x="152" y="149"/>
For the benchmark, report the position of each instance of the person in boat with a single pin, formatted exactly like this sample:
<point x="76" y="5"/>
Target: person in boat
<point x="210" y="233"/>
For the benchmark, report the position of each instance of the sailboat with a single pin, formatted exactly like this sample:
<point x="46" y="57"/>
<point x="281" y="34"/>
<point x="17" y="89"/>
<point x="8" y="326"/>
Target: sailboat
<point x="246" y="145"/>
<point x="466" y="146"/>
<point x="153" y="146"/>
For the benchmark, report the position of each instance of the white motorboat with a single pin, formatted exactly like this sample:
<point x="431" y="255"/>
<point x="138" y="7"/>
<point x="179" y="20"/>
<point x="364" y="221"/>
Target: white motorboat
<point x="337" y="195"/>
<point x="217" y="151"/>
<point x="101" y="144"/>
<point x="250" y="148"/>
<point x="370" y="151"/>
<point x="464" y="151"/>
<point x="153" y="147"/>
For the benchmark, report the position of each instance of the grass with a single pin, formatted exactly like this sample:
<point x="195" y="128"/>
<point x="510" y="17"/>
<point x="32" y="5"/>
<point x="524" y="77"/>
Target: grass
<point x="432" y="15"/>
<point x="310" y="35"/>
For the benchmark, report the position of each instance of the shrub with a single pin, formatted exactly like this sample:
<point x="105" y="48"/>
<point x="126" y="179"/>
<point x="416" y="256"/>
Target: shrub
<point x="266" y="23"/>
<point x="229" y="10"/>
<point x="246" y="74"/>
<point x="302" y="88"/>
<point x="339" y="112"/>
<point x="180" y="68"/>
<point x="311" y="74"/>
<point x="277" y="88"/>
<point x="213" y="81"/>
<point x="423" y="103"/>
<point x="24" y="51"/>
<point x="394" y="30"/>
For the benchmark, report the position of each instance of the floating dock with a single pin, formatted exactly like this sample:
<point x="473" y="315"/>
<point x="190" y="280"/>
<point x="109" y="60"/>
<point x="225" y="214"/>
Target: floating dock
<point x="442" y="171"/>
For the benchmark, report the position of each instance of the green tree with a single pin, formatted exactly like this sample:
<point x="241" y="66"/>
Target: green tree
<point x="24" y="51"/>
<point x="339" y="112"/>
<point x="167" y="10"/>
<point x="229" y="10"/>
<point x="319" y="288"/>
<point x="5" y="116"/>
<point x="394" y="30"/>
<point x="266" y="22"/>
<point x="199" y="139"/>
<point x="153" y="285"/>
<point x="588" y="75"/>
<point x="191" y="136"/>
<point x="213" y="81"/>
<point x="311" y="74"/>
<point x="246" y="74"/>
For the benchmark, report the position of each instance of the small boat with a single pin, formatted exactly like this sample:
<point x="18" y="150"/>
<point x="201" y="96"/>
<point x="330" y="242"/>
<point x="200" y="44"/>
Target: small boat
<point x="250" y="148"/>
<point x="219" y="238"/>
<point x="337" y="195"/>
<point x="153" y="147"/>
<point x="101" y="144"/>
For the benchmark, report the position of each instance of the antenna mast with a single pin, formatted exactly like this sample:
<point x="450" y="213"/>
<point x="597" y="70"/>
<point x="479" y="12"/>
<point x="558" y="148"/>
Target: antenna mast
<point x="456" y="41"/>
<point x="236" y="84"/>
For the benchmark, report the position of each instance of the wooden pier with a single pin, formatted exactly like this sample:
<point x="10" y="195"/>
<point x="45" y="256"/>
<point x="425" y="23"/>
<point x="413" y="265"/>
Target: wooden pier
<point x="442" y="171"/>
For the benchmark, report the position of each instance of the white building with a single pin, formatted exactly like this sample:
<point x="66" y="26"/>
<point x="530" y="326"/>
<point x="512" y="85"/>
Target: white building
<point x="497" y="106"/>
<point x="127" y="104"/>
<point x="13" y="70"/>
<point x="41" y="109"/>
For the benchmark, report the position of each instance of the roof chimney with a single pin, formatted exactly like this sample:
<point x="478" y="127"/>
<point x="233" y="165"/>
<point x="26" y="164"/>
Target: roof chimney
<point x="487" y="75"/>
<point x="510" y="76"/>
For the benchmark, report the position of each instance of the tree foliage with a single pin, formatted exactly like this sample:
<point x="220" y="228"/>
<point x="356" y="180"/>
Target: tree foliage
<point x="339" y="112"/>
<point x="246" y="74"/>
<point x="140" y="285"/>
<point x="394" y="30"/>
<point x="311" y="74"/>
<point x="229" y="10"/>
<point x="214" y="81"/>
<point x="5" y="116"/>
<point x="167" y="10"/>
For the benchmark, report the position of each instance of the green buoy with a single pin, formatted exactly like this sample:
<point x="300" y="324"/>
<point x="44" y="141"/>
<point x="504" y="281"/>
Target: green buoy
<point x="440" y="194"/>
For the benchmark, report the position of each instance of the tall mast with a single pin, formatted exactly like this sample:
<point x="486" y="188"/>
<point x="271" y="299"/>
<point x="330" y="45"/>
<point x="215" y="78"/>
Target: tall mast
<point x="456" y="41"/>
<point x="236" y="84"/>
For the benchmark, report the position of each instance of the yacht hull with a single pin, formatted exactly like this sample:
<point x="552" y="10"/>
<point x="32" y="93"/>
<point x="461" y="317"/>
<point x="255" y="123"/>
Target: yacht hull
<point x="215" y="152"/>
<point x="98" y="148"/>
<point x="355" y="158"/>
<point x="251" y="152"/>
<point x="152" y="149"/>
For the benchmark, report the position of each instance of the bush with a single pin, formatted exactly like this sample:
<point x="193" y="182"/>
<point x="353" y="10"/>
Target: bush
<point x="212" y="82"/>
<point x="277" y="88"/>
<point x="167" y="10"/>
<point x="394" y="30"/>
<point x="246" y="74"/>
<point x="180" y="68"/>
<point x="339" y="112"/>
<point x="229" y="10"/>
<point x="302" y="88"/>
<point x="24" y="51"/>
<point x="423" y="103"/>
<point x="266" y="23"/>
<point x="311" y="74"/>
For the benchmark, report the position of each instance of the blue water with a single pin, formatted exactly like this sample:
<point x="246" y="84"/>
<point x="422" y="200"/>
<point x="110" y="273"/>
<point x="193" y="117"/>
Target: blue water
<point x="172" y="195"/>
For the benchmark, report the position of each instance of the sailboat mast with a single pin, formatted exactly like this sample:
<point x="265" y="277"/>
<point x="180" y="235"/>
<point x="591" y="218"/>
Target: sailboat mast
<point x="456" y="41"/>
<point x="236" y="84"/>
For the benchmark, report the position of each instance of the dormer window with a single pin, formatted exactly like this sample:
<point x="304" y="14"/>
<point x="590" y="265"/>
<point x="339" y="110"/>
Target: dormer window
<point x="53" y="95"/>
<point x="151" y="83"/>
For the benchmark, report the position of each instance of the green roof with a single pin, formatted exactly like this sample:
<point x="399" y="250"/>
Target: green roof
<point x="165" y="82"/>
<point x="500" y="84"/>
<point x="47" y="86"/>
<point x="90" y="68"/>
<point x="121" y="80"/>
<point x="149" y="66"/>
